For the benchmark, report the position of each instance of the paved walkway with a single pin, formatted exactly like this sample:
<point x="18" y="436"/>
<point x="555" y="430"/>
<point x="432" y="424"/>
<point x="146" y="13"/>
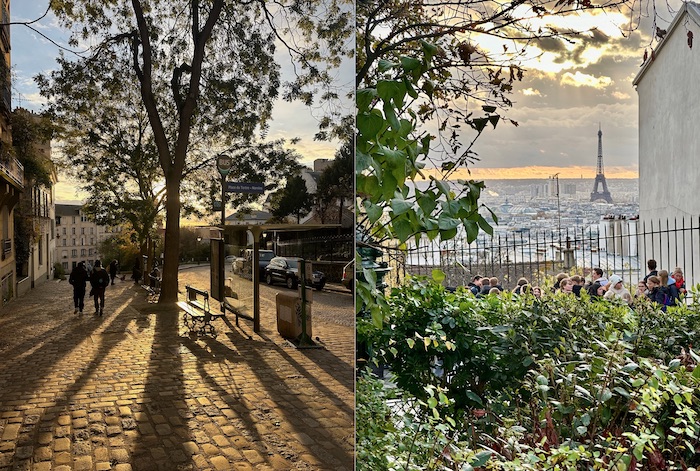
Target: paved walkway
<point x="132" y="391"/>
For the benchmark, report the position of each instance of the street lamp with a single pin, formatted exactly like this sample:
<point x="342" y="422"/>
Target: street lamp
<point x="223" y="165"/>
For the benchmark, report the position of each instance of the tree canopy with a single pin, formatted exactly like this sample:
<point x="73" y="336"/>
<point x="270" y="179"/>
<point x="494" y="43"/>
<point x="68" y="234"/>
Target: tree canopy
<point x="206" y="75"/>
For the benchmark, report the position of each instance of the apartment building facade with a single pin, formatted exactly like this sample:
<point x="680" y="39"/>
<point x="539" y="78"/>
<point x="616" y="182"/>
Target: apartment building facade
<point x="11" y="171"/>
<point x="78" y="238"/>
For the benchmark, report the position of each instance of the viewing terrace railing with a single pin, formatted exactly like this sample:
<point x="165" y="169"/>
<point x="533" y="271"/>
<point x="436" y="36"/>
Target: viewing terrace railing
<point x="617" y="245"/>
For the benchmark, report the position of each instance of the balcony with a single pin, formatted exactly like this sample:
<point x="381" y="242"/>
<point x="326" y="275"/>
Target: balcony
<point x="12" y="171"/>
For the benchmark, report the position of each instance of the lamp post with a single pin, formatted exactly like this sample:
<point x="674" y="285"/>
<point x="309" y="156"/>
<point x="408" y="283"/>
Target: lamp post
<point x="223" y="165"/>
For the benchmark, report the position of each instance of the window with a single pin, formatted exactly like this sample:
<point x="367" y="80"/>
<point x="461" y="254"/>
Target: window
<point x="92" y="230"/>
<point x="82" y="230"/>
<point x="64" y="265"/>
<point x="82" y="241"/>
<point x="73" y="242"/>
<point x="92" y="241"/>
<point x="73" y="230"/>
<point x="83" y="252"/>
<point x="64" y="230"/>
<point x="90" y="252"/>
<point x="74" y="253"/>
<point x="58" y="222"/>
<point x="65" y="242"/>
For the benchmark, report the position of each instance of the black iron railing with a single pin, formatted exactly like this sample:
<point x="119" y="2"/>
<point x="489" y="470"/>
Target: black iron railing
<point x="617" y="245"/>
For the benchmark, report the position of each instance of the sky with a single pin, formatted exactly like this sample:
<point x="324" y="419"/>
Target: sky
<point x="33" y="54"/>
<point x="567" y="93"/>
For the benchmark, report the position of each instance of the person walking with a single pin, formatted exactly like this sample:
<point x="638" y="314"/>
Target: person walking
<point x="78" y="279"/>
<point x="113" y="268"/>
<point x="99" y="281"/>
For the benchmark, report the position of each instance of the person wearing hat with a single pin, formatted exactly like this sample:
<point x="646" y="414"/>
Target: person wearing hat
<point x="617" y="290"/>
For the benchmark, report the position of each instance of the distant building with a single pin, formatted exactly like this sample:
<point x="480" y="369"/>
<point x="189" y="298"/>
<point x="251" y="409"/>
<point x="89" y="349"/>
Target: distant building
<point x="669" y="142"/>
<point x="78" y="238"/>
<point x="321" y="164"/>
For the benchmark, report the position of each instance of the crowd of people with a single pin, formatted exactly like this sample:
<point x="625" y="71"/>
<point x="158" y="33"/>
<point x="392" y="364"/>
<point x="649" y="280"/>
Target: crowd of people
<point x="660" y="286"/>
<point x="98" y="277"/>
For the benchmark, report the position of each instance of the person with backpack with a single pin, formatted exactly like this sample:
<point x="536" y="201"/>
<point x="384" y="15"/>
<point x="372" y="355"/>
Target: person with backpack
<point x="668" y="285"/>
<point x="78" y="280"/>
<point x="99" y="279"/>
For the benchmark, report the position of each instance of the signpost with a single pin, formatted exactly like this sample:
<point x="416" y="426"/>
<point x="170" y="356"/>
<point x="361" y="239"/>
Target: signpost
<point x="245" y="187"/>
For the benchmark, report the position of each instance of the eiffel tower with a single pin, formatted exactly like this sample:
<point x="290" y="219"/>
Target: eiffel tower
<point x="600" y="176"/>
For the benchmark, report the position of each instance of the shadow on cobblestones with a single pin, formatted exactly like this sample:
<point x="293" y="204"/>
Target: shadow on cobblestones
<point x="131" y="391"/>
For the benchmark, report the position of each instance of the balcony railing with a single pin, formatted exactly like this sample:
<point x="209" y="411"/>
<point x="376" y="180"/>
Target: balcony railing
<point x="12" y="170"/>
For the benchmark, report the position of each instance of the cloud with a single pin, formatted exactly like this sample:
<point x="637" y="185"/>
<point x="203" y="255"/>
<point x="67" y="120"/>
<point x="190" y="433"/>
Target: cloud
<point x="579" y="79"/>
<point x="531" y="92"/>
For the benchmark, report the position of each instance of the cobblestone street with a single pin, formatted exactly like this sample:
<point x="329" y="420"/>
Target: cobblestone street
<point x="133" y="391"/>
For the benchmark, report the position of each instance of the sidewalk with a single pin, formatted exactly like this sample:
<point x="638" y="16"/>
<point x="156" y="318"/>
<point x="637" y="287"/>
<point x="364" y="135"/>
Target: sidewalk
<point x="132" y="391"/>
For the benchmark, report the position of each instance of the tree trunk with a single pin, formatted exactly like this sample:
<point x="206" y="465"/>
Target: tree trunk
<point x="171" y="256"/>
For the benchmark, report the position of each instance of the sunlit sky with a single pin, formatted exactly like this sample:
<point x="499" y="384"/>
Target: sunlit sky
<point x="568" y="91"/>
<point x="33" y="54"/>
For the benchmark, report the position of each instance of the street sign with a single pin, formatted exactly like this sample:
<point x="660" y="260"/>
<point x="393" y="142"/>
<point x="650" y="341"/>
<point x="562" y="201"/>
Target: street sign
<point x="245" y="187"/>
<point x="223" y="164"/>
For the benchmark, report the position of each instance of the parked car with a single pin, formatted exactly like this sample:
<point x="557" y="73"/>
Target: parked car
<point x="348" y="278"/>
<point x="286" y="270"/>
<point x="265" y="256"/>
<point x="243" y="265"/>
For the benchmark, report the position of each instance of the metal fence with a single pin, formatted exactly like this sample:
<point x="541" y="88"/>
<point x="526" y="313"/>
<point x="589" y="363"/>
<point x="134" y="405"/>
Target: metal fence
<point x="337" y="248"/>
<point x="617" y="245"/>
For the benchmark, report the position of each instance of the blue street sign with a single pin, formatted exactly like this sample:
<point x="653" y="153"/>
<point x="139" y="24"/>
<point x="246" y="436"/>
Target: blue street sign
<point x="244" y="187"/>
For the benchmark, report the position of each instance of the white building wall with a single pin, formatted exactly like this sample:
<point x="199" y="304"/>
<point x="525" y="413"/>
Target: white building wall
<point x="669" y="174"/>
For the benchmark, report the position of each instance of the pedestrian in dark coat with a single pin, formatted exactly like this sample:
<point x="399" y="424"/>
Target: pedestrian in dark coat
<point x="99" y="279"/>
<point x="113" y="267"/>
<point x="78" y="279"/>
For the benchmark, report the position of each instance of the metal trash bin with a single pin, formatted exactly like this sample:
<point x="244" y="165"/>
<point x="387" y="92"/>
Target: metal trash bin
<point x="289" y="316"/>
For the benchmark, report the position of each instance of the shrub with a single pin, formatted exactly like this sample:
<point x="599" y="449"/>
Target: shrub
<point x="58" y="272"/>
<point x="557" y="383"/>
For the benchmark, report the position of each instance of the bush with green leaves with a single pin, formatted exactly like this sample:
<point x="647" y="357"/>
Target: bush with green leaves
<point x="557" y="383"/>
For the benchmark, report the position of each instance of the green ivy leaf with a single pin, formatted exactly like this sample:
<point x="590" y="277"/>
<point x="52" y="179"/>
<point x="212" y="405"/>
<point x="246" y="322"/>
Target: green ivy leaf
<point x="410" y="63"/>
<point x="438" y="275"/>
<point x="481" y="459"/>
<point x="364" y="98"/>
<point x="385" y="65"/>
<point x="374" y="212"/>
<point x="400" y="206"/>
<point x="369" y="124"/>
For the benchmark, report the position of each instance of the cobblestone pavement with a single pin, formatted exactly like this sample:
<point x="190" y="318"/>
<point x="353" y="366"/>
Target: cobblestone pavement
<point x="133" y="391"/>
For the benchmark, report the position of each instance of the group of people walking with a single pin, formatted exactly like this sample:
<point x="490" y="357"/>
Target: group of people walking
<point x="99" y="279"/>
<point x="658" y="286"/>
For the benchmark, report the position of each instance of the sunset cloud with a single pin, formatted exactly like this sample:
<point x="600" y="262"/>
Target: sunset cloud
<point x="579" y="79"/>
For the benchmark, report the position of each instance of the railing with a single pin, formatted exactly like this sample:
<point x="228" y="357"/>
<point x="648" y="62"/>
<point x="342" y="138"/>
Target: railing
<point x="618" y="246"/>
<point x="330" y="248"/>
<point x="13" y="170"/>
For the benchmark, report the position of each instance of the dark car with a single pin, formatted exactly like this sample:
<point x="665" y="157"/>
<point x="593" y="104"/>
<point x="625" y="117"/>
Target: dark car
<point x="244" y="265"/>
<point x="286" y="270"/>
